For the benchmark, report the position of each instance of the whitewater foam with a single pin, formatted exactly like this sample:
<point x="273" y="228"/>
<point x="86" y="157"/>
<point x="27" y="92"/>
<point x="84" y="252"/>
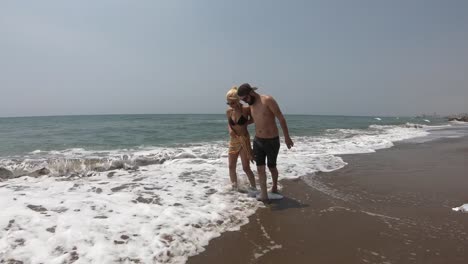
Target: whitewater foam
<point x="463" y="208"/>
<point x="158" y="215"/>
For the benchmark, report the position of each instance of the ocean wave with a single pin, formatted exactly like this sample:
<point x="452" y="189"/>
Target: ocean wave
<point x="82" y="162"/>
<point x="455" y="122"/>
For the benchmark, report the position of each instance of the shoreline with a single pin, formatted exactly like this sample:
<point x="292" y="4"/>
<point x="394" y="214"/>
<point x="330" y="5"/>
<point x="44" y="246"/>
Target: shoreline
<point x="391" y="206"/>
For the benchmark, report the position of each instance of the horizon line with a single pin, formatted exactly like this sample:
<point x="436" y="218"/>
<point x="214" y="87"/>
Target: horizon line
<point x="294" y="114"/>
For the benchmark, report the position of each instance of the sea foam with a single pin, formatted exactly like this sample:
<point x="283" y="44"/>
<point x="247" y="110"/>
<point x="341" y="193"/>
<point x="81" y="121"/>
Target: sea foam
<point x="463" y="208"/>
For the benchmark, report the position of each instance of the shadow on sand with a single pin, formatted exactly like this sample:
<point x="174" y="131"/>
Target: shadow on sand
<point x="286" y="203"/>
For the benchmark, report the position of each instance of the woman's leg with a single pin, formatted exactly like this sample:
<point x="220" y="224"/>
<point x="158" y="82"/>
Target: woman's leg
<point x="246" y="167"/>
<point x="232" y="169"/>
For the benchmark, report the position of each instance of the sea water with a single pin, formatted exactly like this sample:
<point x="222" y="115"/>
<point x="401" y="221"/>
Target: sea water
<point x="154" y="188"/>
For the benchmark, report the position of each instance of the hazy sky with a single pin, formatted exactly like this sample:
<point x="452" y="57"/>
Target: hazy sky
<point x="315" y="57"/>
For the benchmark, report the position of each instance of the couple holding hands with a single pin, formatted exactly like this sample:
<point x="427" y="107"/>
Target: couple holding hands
<point x="262" y="110"/>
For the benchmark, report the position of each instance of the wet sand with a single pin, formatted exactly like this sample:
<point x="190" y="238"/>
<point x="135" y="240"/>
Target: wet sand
<point x="393" y="206"/>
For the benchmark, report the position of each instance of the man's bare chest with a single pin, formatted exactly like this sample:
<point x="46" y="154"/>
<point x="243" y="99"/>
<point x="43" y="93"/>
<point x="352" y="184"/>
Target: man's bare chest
<point x="261" y="112"/>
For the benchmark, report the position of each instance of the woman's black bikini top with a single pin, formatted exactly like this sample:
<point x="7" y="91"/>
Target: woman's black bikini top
<point x="242" y="120"/>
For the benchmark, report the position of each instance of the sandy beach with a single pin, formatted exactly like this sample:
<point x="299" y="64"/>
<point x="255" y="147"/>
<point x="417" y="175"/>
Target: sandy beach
<point x="392" y="206"/>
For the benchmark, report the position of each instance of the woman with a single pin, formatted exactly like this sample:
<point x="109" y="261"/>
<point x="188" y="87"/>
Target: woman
<point x="238" y="118"/>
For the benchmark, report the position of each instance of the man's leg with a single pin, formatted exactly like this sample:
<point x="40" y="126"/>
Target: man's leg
<point x="260" y="156"/>
<point x="246" y="166"/>
<point x="272" y="155"/>
<point x="263" y="182"/>
<point x="274" y="176"/>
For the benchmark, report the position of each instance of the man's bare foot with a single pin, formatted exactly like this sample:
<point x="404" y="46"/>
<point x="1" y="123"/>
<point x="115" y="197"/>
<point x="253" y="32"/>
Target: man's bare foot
<point x="234" y="187"/>
<point x="262" y="198"/>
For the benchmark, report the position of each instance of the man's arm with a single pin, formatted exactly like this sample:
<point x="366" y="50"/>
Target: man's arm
<point x="249" y="114"/>
<point x="273" y="105"/>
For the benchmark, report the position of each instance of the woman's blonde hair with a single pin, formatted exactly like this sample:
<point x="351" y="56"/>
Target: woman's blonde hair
<point x="232" y="94"/>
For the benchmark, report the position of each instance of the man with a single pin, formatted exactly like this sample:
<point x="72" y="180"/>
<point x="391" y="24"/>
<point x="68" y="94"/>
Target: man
<point x="266" y="144"/>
